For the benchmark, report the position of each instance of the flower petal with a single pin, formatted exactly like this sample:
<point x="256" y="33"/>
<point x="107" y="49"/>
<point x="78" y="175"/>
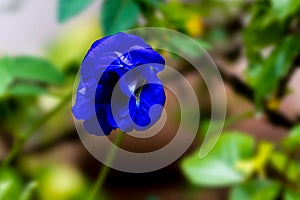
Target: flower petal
<point x="83" y="108"/>
<point x="92" y="126"/>
<point x="150" y="95"/>
<point x="103" y="67"/>
<point x="147" y="56"/>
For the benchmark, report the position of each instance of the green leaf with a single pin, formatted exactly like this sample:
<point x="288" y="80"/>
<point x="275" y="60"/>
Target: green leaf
<point x="285" y="8"/>
<point x="5" y="76"/>
<point x="211" y="172"/>
<point x="26" y="89"/>
<point x="10" y="184"/>
<point x="30" y="70"/>
<point x="27" y="193"/>
<point x="188" y="47"/>
<point x="256" y="190"/>
<point x="262" y="23"/>
<point x="175" y="12"/>
<point x="281" y="163"/>
<point x="292" y="141"/>
<point x="252" y="73"/>
<point x="293" y="171"/>
<point x="154" y="3"/>
<point x="219" y="167"/>
<point x="277" y="66"/>
<point x="278" y="160"/>
<point x="291" y="195"/>
<point x="70" y="8"/>
<point x="35" y="69"/>
<point x="74" y="183"/>
<point x="118" y="15"/>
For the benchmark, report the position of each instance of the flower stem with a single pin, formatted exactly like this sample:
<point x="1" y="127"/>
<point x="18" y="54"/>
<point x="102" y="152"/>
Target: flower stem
<point x="13" y="152"/>
<point x="22" y="137"/>
<point x="105" y="168"/>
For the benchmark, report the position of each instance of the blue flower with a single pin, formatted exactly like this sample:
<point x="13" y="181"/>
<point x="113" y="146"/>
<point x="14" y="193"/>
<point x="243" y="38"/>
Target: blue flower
<point x="125" y="67"/>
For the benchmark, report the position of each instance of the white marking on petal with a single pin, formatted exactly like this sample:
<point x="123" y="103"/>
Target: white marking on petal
<point x="132" y="85"/>
<point x="82" y="91"/>
<point x="124" y="59"/>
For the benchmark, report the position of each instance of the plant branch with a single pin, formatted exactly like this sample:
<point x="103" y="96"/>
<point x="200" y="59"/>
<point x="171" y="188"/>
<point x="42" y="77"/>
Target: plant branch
<point x="21" y="139"/>
<point x="241" y="88"/>
<point x="282" y="86"/>
<point x="105" y="169"/>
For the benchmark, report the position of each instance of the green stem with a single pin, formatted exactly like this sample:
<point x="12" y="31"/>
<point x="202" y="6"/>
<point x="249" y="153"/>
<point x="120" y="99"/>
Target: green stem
<point x="49" y="115"/>
<point x="238" y="117"/>
<point x="21" y="139"/>
<point x="13" y="152"/>
<point x="105" y="168"/>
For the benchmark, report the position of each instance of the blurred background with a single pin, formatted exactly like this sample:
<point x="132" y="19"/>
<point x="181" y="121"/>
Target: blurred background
<point x="256" y="45"/>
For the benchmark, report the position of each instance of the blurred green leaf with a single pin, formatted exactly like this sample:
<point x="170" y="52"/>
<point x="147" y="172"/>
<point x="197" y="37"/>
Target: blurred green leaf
<point x="30" y="70"/>
<point x="260" y="34"/>
<point x="10" y="184"/>
<point x="61" y="182"/>
<point x="118" y="15"/>
<point x="285" y="166"/>
<point x="252" y="72"/>
<point x="188" y="47"/>
<point x="264" y="74"/>
<point x="154" y="3"/>
<point x="278" y="160"/>
<point x="5" y="76"/>
<point x="26" y="89"/>
<point x="218" y="36"/>
<point x="260" y="30"/>
<point x="211" y="172"/>
<point x="291" y="195"/>
<point x="219" y="167"/>
<point x="285" y="8"/>
<point x="35" y="69"/>
<point x="293" y="171"/>
<point x="277" y="66"/>
<point x="256" y="190"/>
<point x="292" y="141"/>
<point x="68" y="9"/>
<point x="27" y="193"/>
<point x="175" y="13"/>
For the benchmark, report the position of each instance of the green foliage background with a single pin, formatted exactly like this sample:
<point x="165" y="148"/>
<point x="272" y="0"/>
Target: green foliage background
<point x="246" y="167"/>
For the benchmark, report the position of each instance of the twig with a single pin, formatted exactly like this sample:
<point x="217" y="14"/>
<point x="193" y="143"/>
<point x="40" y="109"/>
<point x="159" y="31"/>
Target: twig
<point x="241" y="88"/>
<point x="105" y="169"/>
<point x="21" y="139"/>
